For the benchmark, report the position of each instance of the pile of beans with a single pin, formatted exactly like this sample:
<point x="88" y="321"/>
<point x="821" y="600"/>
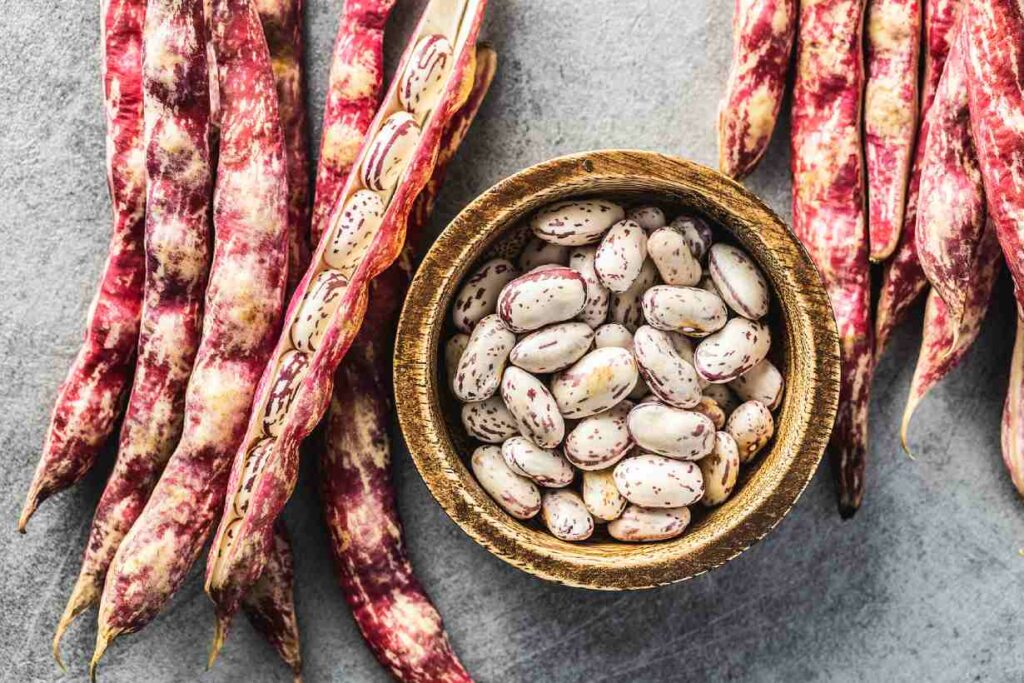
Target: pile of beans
<point x="622" y="346"/>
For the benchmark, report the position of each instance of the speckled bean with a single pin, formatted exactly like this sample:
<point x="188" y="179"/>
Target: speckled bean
<point x="453" y="350"/>
<point x="648" y="217"/>
<point x="721" y="394"/>
<point x="667" y="374"/>
<point x="566" y="517"/>
<point x="321" y="300"/>
<point x="290" y="371"/>
<point x="697" y="233"/>
<point x="537" y="252"/>
<point x="542" y="297"/>
<point x="595" y="311"/>
<point x="613" y="335"/>
<point x="709" y="408"/>
<point x="601" y="496"/>
<point x="638" y="524"/>
<point x="672" y="432"/>
<point x="653" y="481"/>
<point x="425" y="75"/>
<point x="544" y="466"/>
<point x="479" y="296"/>
<point x="627" y="308"/>
<point x="533" y="407"/>
<point x="355" y="228"/>
<point x="601" y="440"/>
<point x="516" y="494"/>
<point x="489" y="420"/>
<point x="732" y="351"/>
<point x="739" y="281"/>
<point x="621" y="255"/>
<point x="671" y="255"/>
<point x="553" y="348"/>
<point x="576" y="222"/>
<point x="390" y="152"/>
<point x="752" y="426"/>
<point x="689" y="310"/>
<point x="483" y="361"/>
<point x="720" y="470"/>
<point x="595" y="383"/>
<point x="763" y="383"/>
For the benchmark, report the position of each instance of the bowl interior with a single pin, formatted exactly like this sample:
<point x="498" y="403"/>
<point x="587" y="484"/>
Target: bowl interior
<point x="805" y="348"/>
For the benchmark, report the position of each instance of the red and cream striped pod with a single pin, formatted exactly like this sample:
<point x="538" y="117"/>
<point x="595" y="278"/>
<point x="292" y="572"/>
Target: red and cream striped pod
<point x="394" y="614"/>
<point x="942" y="346"/>
<point x="243" y="315"/>
<point x="762" y="44"/>
<point x="951" y="207"/>
<point x="239" y="549"/>
<point x="353" y="93"/>
<point x="282" y="25"/>
<point x="892" y="46"/>
<point x="995" y="87"/>
<point x="91" y="396"/>
<point x="828" y="210"/>
<point x="903" y="279"/>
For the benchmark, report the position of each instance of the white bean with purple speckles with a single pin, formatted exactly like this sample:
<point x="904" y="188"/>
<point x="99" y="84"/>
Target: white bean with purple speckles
<point x="601" y="496"/>
<point x="752" y="426"/>
<point x="576" y="222"/>
<point x="672" y="432"/>
<point x="763" y="383"/>
<point x="479" y="295"/>
<point x="516" y="494"/>
<point x="423" y="82"/>
<point x="453" y="351"/>
<point x="671" y="255"/>
<point x="541" y="297"/>
<point x="595" y="383"/>
<point x="621" y="255"/>
<point x="537" y="252"/>
<point x="627" y="308"/>
<point x="600" y="440"/>
<point x="595" y="311"/>
<point x="648" y="217"/>
<point x="689" y="310"/>
<point x="483" y="361"/>
<point x="740" y="283"/>
<point x="720" y="470"/>
<point x="489" y="420"/>
<point x="638" y="524"/>
<point x="354" y="231"/>
<point x="318" y="305"/>
<point x="546" y="467"/>
<point x="565" y="516"/>
<point x="390" y="151"/>
<point x="668" y="375"/>
<point x="721" y="395"/>
<point x="653" y="481"/>
<point x="533" y="407"/>
<point x="697" y="234"/>
<point x="709" y="408"/>
<point x="614" y="335"/>
<point x="552" y="348"/>
<point x="732" y="351"/>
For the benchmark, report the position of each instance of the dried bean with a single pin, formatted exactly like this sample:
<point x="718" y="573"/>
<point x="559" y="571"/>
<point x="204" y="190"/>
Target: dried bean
<point x="738" y="281"/>
<point x="595" y="383"/>
<point x="542" y="297"/>
<point x="544" y="466"/>
<point x="621" y="255"/>
<point x="423" y="81"/>
<point x="763" y="383"/>
<point x="671" y="432"/>
<point x="601" y="440"/>
<point x="667" y="374"/>
<point x="710" y="409"/>
<point x="353" y="231"/>
<point x="752" y="426"/>
<point x="516" y="494"/>
<point x="479" y="296"/>
<point x="648" y="217"/>
<point x="483" y="361"/>
<point x="638" y="524"/>
<point x="601" y="496"/>
<point x="721" y="395"/>
<point x="653" y="481"/>
<point x="720" y="470"/>
<point x="671" y="253"/>
<point x="322" y="298"/>
<point x="489" y="420"/>
<point x="576" y="222"/>
<point x="537" y="252"/>
<point x="552" y="348"/>
<point x="614" y="335"/>
<point x="390" y="151"/>
<point x="566" y="517"/>
<point x="732" y="351"/>
<point x="453" y="351"/>
<point x="533" y="407"/>
<point x="627" y="308"/>
<point x="689" y="310"/>
<point x="697" y="233"/>
<point x="595" y="311"/>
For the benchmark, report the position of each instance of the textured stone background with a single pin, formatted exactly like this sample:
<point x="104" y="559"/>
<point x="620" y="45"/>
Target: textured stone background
<point x="923" y="584"/>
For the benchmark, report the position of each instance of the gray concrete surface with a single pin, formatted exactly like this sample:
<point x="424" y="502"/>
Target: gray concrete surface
<point x="923" y="584"/>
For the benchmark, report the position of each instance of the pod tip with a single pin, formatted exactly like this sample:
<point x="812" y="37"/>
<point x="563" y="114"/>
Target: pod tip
<point x="219" y="632"/>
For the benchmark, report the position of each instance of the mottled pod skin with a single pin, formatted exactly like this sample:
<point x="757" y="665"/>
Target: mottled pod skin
<point x="951" y="208"/>
<point x="91" y="396"/>
<point x="903" y="279"/>
<point x="762" y="34"/>
<point x="239" y="549"/>
<point x="270" y="604"/>
<point x="243" y="307"/>
<point x="941" y="348"/>
<point x="177" y="254"/>
<point x="995" y="87"/>
<point x="1013" y="414"/>
<point x="353" y="93"/>
<point x="892" y="45"/>
<point x="377" y="580"/>
<point x="828" y="210"/>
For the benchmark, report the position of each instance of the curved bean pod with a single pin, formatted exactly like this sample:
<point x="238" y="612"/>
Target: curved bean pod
<point x="1012" y="434"/>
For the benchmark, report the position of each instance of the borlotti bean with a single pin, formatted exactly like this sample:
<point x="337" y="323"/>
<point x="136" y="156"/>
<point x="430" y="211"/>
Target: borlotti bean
<point x="739" y="281"/>
<point x="595" y="311"/>
<point x="390" y="152"/>
<point x="697" y="234"/>
<point x="320" y="302"/>
<point x="601" y="496"/>
<point x="709" y="408"/>
<point x="358" y="223"/>
<point x="654" y="481"/>
<point x="423" y="82"/>
<point x="720" y="470"/>
<point x="763" y="383"/>
<point x="613" y="334"/>
<point x="552" y="348"/>
<point x="732" y="351"/>
<point x="672" y="432"/>
<point x="533" y="407"/>
<point x="689" y="310"/>
<point x="648" y="217"/>
<point x="671" y="378"/>
<point x="542" y="297"/>
<point x="722" y="395"/>
<point x="546" y="467"/>
<point x="516" y="494"/>
<point x="576" y="222"/>
<point x="621" y="255"/>
<point x="290" y="372"/>
<point x="639" y="524"/>
<point x="626" y="308"/>
<point x="684" y="347"/>
<point x="537" y="252"/>
<point x="483" y="361"/>
<point x="479" y="296"/>
<point x="453" y="351"/>
<point x="601" y="440"/>
<point x="489" y="420"/>
<point x="566" y="516"/>
<point x="595" y="383"/>
<point x="671" y="254"/>
<point x="752" y="426"/>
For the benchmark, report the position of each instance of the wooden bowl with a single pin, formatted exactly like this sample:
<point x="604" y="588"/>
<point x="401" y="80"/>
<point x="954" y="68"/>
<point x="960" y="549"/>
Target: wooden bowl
<point x="805" y="346"/>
